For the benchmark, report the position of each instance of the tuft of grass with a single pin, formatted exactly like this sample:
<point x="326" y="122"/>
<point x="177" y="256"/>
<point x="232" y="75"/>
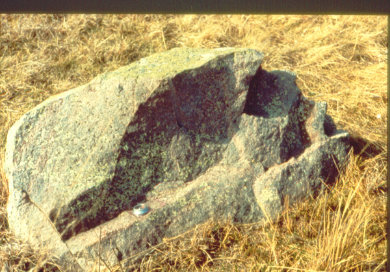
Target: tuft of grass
<point x="338" y="59"/>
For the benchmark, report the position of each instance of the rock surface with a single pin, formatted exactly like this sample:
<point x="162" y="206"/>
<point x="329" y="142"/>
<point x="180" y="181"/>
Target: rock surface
<point x="196" y="134"/>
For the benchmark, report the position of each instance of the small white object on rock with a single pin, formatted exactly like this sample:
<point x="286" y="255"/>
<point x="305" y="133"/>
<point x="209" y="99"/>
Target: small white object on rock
<point x="140" y="209"/>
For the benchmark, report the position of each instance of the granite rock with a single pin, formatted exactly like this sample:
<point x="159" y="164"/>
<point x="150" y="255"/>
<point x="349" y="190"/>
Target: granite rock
<point x="195" y="134"/>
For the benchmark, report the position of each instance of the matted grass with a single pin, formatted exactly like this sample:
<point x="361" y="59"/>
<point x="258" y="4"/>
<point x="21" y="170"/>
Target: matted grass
<point x="338" y="59"/>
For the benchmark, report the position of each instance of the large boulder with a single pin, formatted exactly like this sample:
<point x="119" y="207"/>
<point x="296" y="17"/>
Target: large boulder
<point x="195" y="134"/>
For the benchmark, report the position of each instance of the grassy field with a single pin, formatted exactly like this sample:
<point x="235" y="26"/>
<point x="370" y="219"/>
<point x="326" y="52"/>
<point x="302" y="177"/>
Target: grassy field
<point x="338" y="59"/>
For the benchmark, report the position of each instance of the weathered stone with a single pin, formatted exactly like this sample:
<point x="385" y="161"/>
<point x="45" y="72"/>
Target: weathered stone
<point x="195" y="134"/>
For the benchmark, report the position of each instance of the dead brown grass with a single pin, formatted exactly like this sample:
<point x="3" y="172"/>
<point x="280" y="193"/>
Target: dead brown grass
<point x="338" y="59"/>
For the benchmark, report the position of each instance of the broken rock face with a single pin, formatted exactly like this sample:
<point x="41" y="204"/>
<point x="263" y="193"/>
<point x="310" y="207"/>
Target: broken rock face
<point x="195" y="134"/>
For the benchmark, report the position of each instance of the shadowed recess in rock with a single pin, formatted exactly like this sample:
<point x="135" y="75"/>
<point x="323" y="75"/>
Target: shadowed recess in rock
<point x="274" y="95"/>
<point x="168" y="139"/>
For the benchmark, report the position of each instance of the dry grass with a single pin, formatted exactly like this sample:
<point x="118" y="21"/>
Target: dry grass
<point x="338" y="59"/>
